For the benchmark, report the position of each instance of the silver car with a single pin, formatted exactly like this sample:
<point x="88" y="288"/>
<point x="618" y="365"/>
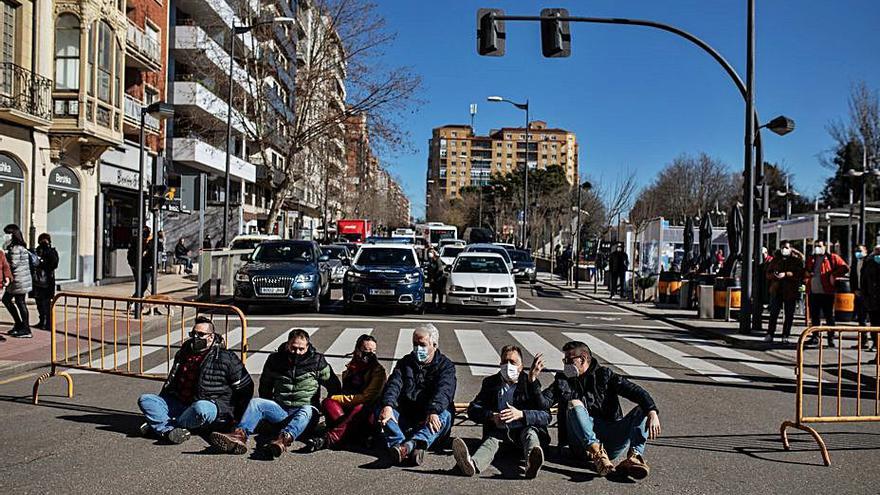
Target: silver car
<point x="339" y="261"/>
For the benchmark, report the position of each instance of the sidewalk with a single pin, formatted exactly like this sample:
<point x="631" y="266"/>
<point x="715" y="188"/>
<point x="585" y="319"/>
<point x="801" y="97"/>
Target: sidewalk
<point x="22" y="355"/>
<point x="682" y="318"/>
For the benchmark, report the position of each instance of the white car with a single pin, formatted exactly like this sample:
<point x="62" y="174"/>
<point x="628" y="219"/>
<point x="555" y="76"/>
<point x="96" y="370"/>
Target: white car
<point x="491" y="248"/>
<point x="481" y="280"/>
<point x="251" y="241"/>
<point x="448" y="254"/>
<point x="505" y="245"/>
<point x="452" y="242"/>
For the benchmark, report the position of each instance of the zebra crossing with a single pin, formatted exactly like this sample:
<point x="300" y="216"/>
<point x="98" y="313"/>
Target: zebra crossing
<point x="661" y="356"/>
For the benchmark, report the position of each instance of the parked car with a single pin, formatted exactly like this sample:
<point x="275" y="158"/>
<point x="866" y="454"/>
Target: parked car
<point x="386" y="275"/>
<point x="351" y="246"/>
<point x="452" y="242"/>
<point x="491" y="248"/>
<point x="448" y="254"/>
<point x="338" y="262"/>
<point x="506" y="245"/>
<point x="290" y="273"/>
<point x="250" y="241"/>
<point x="481" y="279"/>
<point x="523" y="265"/>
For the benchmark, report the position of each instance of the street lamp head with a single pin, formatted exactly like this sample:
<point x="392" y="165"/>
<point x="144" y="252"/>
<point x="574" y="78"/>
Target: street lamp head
<point x="854" y="173"/>
<point x="587" y="185"/>
<point x="160" y="110"/>
<point x="494" y="98"/>
<point x="781" y="125"/>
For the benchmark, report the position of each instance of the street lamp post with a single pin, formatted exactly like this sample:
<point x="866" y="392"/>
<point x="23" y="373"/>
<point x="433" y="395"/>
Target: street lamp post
<point x="525" y="210"/>
<point x="160" y="110"/>
<point x="577" y="240"/>
<point x="235" y="31"/>
<point x="789" y="193"/>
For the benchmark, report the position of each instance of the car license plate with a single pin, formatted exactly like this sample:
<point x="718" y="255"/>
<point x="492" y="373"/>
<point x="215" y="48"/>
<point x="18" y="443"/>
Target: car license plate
<point x="272" y="290"/>
<point x="381" y="292"/>
<point x="483" y="299"/>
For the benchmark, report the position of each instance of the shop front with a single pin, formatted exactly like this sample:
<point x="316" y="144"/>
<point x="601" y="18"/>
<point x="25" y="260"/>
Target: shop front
<point x="11" y="191"/>
<point x="119" y="214"/>
<point x="62" y="221"/>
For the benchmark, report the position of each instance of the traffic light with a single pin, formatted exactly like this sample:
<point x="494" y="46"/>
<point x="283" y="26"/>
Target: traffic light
<point x="490" y="33"/>
<point x="555" y="34"/>
<point x="160" y="195"/>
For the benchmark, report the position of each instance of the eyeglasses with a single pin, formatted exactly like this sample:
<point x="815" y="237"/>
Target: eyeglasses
<point x="200" y="335"/>
<point x="571" y="360"/>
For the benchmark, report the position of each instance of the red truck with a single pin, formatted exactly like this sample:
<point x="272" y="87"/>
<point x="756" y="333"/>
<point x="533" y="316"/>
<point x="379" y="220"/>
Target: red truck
<point x="354" y="230"/>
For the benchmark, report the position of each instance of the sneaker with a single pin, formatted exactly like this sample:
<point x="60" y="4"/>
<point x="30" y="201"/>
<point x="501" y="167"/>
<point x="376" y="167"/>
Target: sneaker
<point x="768" y="338"/>
<point x="280" y="445"/>
<point x="316" y="443"/>
<point x="812" y="342"/>
<point x="178" y="435"/>
<point x="229" y="443"/>
<point x="145" y="430"/>
<point x="534" y="462"/>
<point x="398" y="453"/>
<point x="601" y="463"/>
<point x="463" y="458"/>
<point x="634" y="466"/>
<point x="24" y="333"/>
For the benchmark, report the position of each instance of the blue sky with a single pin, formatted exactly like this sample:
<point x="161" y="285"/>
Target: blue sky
<point x="638" y="97"/>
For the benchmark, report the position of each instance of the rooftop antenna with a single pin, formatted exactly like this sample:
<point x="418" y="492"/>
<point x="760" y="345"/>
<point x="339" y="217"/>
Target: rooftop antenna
<point x="473" y="113"/>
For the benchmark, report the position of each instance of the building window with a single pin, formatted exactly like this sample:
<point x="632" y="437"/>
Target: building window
<point x="8" y="34"/>
<point x="67" y="52"/>
<point x="120" y="70"/>
<point x="105" y="61"/>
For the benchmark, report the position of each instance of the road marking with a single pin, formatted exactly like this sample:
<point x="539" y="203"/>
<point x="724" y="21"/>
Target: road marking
<point x="702" y="367"/>
<point x="257" y="360"/>
<point x="477" y="349"/>
<point x="16" y="378"/>
<point x="530" y="305"/>
<point x="343" y="345"/>
<point x="617" y="358"/>
<point x="535" y="344"/>
<point x="415" y="321"/>
<point x="571" y="312"/>
<point x="403" y="347"/>
<point x="150" y="347"/>
<point x="233" y="341"/>
<point x="746" y="360"/>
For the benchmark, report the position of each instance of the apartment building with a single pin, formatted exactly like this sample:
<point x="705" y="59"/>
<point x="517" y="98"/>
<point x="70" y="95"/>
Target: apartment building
<point x="458" y="158"/>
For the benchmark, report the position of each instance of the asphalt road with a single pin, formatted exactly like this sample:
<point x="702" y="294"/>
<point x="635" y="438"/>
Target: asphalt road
<point x="720" y="409"/>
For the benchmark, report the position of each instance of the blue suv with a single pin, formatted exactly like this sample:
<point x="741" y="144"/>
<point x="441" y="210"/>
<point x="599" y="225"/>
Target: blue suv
<point x="385" y="275"/>
<point x="287" y="273"/>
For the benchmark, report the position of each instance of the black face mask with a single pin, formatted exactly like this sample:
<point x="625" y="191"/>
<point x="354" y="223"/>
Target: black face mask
<point x="368" y="358"/>
<point x="199" y="344"/>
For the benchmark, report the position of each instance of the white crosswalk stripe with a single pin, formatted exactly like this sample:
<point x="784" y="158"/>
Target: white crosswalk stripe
<point x="233" y="341"/>
<point x="256" y="360"/>
<point x="716" y="373"/>
<point x="403" y="346"/>
<point x="150" y="347"/>
<point x="786" y="372"/>
<point x="535" y="344"/>
<point x="481" y="357"/>
<point x="617" y="358"/>
<point x="343" y="345"/>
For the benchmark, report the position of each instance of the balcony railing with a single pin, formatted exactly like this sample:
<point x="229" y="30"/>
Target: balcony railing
<point x="143" y="44"/>
<point x="133" y="114"/>
<point x="24" y="91"/>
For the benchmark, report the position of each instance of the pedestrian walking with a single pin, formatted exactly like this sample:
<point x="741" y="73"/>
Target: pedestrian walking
<point x="21" y="262"/>
<point x="869" y="283"/>
<point x="564" y="263"/>
<point x="44" y="279"/>
<point x="5" y="279"/>
<point x="146" y="254"/>
<point x="618" y="262"/>
<point x="784" y="275"/>
<point x="821" y="272"/>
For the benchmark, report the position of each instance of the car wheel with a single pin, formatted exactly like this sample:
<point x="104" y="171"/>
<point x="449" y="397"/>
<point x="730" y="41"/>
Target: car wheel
<point x="511" y="310"/>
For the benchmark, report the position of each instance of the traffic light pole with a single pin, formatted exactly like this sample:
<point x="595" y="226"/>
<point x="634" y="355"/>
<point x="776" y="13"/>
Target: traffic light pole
<point x="139" y="268"/>
<point x="753" y="140"/>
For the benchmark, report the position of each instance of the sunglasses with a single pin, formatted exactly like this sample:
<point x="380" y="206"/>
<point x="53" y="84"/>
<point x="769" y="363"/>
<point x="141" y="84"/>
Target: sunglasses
<point x="200" y="334"/>
<point x="571" y="360"/>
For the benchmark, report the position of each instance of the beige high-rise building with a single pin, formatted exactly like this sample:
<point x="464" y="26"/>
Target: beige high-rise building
<point x="458" y="158"/>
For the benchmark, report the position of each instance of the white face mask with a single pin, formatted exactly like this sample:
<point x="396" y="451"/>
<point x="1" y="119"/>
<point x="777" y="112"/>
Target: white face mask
<point x="786" y="252"/>
<point x="509" y="372"/>
<point x="818" y="251"/>
<point x="7" y="238"/>
<point x="570" y="371"/>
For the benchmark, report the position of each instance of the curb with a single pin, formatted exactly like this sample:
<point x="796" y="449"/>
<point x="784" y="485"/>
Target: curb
<point x="694" y="329"/>
<point x="10" y="369"/>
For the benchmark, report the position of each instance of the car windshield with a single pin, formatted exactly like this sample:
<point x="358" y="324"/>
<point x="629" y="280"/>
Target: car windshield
<point x="245" y="244"/>
<point x="283" y="253"/>
<point x="335" y="252"/>
<point x="499" y="251"/>
<point x="351" y="237"/>
<point x="450" y="252"/>
<point x="386" y="257"/>
<point x="480" y="264"/>
<point x="438" y="234"/>
<point x="520" y="256"/>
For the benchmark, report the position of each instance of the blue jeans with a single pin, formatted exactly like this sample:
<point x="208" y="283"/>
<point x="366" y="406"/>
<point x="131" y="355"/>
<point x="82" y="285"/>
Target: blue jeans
<point x="395" y="432"/>
<point x="164" y="413"/>
<point x="296" y="418"/>
<point x="629" y="431"/>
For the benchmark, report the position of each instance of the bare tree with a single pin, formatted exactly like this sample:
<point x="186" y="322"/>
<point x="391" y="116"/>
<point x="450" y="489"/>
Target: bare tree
<point x="862" y="125"/>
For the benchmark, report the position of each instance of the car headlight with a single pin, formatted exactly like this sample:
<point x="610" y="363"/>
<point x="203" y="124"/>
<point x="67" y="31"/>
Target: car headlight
<point x="242" y="277"/>
<point x="504" y="289"/>
<point x="354" y="274"/>
<point x="530" y="269"/>
<point x="339" y="269"/>
<point x="411" y="278"/>
<point x="303" y="278"/>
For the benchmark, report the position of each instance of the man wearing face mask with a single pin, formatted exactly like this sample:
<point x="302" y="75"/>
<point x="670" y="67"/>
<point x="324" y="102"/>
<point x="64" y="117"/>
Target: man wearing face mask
<point x="870" y="288"/>
<point x="290" y="389"/>
<point x="784" y="276"/>
<point x="347" y="413"/>
<point x="510" y="408"/>
<point x="618" y="262"/>
<point x="861" y="314"/>
<point x="416" y="405"/>
<point x="208" y="387"/>
<point x="821" y="272"/>
<point x="590" y="419"/>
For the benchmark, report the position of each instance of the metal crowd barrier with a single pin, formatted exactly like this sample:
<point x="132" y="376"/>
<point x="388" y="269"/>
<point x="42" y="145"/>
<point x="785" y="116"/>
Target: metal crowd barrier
<point x="102" y="334"/>
<point x="845" y="400"/>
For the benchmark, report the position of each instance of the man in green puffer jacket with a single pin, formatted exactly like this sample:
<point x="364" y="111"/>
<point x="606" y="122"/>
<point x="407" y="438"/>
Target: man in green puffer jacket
<point x="289" y="396"/>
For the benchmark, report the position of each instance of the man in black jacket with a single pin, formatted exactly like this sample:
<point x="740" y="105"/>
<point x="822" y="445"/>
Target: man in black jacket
<point x="416" y="405"/>
<point x="510" y="408"/>
<point x="618" y="262"/>
<point x="590" y="419"/>
<point x="208" y="387"/>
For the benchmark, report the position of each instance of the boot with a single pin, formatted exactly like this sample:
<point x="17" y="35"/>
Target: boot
<point x="534" y="462"/>
<point x="634" y="466"/>
<point x="229" y="443"/>
<point x="280" y="445"/>
<point x="399" y="453"/>
<point x="601" y="463"/>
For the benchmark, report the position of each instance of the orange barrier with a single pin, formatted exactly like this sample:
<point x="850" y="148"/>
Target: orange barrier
<point x="844" y="403"/>
<point x="101" y="334"/>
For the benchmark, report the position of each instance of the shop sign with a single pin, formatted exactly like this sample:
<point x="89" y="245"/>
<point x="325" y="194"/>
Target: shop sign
<point x="9" y="169"/>
<point x="120" y="177"/>
<point x="64" y="178"/>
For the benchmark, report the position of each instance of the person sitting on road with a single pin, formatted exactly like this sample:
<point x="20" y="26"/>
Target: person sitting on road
<point x="348" y="413"/>
<point x="590" y="419"/>
<point x="510" y="408"/>
<point x="289" y="393"/>
<point x="416" y="406"/>
<point x="207" y="388"/>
